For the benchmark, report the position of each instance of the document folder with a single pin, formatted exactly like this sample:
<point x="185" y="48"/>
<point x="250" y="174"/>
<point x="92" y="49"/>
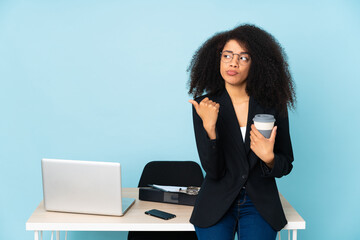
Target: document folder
<point x="156" y="195"/>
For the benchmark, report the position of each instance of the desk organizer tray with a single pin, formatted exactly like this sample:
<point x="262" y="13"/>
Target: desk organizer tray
<point x="156" y="195"/>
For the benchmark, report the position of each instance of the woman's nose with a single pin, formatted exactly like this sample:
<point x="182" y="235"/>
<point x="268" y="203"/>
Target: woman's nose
<point x="234" y="61"/>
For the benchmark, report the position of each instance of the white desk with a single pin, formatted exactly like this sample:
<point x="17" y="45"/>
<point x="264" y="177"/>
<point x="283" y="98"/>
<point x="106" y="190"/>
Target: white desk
<point x="134" y="219"/>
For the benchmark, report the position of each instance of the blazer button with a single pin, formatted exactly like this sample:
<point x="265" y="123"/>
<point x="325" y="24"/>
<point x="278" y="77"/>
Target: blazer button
<point x="244" y="176"/>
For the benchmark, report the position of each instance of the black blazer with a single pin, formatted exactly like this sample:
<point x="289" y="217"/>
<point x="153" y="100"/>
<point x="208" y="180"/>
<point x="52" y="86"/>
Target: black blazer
<point x="230" y="164"/>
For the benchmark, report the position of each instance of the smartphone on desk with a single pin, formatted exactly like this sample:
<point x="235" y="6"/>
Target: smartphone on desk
<point x="160" y="214"/>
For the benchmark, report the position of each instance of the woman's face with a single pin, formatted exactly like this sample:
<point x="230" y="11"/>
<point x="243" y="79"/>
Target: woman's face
<point x="234" y="64"/>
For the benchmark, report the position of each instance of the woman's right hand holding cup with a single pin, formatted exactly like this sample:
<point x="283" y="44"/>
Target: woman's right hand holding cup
<point x="208" y="111"/>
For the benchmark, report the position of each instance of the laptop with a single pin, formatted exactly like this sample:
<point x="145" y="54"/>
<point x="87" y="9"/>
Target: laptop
<point x="83" y="187"/>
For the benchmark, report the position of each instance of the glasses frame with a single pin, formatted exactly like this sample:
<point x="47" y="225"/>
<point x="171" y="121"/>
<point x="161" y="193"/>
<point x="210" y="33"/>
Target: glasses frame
<point x="233" y="54"/>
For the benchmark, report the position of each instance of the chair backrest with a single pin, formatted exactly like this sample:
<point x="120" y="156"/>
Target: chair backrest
<point x="172" y="173"/>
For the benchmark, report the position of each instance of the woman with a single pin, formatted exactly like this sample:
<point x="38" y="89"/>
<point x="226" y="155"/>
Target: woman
<point x="243" y="73"/>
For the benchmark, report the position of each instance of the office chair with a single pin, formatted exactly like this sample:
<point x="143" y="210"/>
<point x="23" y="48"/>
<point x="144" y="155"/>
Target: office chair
<point x="173" y="173"/>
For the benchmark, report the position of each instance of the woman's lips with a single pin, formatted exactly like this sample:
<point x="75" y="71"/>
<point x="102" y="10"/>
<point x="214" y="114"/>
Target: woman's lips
<point x="231" y="73"/>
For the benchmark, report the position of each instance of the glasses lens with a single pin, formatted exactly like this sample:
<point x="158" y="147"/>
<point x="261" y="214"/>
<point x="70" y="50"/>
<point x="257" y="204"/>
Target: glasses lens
<point x="226" y="56"/>
<point x="244" y="59"/>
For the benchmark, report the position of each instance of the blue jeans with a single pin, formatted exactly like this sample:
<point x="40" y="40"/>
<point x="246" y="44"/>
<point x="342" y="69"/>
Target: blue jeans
<point x="242" y="218"/>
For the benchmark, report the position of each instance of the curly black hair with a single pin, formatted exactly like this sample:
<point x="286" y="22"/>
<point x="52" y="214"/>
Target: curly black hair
<point x="269" y="80"/>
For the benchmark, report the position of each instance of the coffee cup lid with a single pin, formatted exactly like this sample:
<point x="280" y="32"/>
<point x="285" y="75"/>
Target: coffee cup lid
<point x="264" y="118"/>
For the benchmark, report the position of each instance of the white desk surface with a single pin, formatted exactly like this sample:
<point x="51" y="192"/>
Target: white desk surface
<point x="134" y="219"/>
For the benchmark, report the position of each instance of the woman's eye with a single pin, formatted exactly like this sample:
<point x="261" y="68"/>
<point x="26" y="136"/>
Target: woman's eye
<point x="242" y="58"/>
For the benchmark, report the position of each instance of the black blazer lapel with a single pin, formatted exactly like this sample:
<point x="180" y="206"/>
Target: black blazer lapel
<point x="254" y="108"/>
<point x="251" y="115"/>
<point x="231" y="125"/>
<point x="230" y="122"/>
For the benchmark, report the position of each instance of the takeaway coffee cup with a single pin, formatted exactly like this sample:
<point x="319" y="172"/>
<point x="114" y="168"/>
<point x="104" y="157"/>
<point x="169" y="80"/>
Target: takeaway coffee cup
<point x="264" y="123"/>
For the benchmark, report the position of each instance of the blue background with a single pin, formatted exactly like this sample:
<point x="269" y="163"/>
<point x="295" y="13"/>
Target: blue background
<point x="106" y="81"/>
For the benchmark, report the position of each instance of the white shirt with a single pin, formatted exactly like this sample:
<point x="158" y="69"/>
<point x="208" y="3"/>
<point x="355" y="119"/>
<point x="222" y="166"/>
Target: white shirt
<point x="243" y="131"/>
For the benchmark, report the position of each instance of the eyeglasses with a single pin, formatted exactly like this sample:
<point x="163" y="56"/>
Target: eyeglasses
<point x="227" y="56"/>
